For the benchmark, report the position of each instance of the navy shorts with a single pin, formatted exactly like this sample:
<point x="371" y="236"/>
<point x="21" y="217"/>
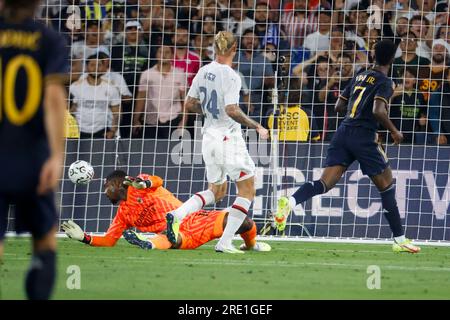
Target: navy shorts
<point x="357" y="143"/>
<point x="32" y="213"/>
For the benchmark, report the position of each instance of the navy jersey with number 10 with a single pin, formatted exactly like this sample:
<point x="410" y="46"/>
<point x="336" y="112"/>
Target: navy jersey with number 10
<point x="361" y="93"/>
<point x="31" y="56"/>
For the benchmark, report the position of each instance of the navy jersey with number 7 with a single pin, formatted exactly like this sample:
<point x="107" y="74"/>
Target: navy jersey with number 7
<point x="361" y="93"/>
<point x="356" y="137"/>
<point x="31" y="56"/>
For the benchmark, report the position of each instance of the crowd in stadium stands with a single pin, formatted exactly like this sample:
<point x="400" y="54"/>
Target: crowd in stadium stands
<point x="134" y="60"/>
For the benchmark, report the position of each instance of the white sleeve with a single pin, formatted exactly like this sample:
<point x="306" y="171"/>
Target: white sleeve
<point x="123" y="87"/>
<point x="232" y="89"/>
<point x="73" y="91"/>
<point x="143" y="81"/>
<point x="194" y="91"/>
<point x="114" y="95"/>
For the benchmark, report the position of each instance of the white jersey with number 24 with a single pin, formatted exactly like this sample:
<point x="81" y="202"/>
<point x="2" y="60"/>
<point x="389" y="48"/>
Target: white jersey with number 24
<point x="223" y="147"/>
<point x="217" y="85"/>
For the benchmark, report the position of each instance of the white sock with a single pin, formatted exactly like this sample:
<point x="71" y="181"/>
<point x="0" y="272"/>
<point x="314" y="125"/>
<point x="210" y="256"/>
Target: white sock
<point x="236" y="216"/>
<point x="195" y="203"/>
<point x="292" y="203"/>
<point x="400" y="239"/>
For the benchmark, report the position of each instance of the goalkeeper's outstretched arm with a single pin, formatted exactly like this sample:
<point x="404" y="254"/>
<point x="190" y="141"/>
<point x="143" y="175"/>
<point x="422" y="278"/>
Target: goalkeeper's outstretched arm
<point x="75" y="232"/>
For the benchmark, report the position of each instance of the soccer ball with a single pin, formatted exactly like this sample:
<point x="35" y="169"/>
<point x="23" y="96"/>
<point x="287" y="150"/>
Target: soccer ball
<point x="81" y="172"/>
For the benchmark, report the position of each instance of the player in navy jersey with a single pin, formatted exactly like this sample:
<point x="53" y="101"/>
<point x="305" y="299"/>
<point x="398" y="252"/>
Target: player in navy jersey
<point x="366" y="99"/>
<point x="33" y="69"/>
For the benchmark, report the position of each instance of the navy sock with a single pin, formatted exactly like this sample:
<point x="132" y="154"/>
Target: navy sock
<point x="309" y="190"/>
<point x="41" y="275"/>
<point x="392" y="215"/>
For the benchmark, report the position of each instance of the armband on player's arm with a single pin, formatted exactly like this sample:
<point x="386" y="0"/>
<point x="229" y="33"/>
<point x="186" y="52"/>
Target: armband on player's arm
<point x="74" y="231"/>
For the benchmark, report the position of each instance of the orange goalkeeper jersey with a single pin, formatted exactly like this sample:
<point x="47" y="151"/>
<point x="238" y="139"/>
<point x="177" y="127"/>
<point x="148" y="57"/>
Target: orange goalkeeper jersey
<point x="144" y="209"/>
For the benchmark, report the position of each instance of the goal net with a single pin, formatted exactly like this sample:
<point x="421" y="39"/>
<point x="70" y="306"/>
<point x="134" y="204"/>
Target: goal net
<point x="133" y="61"/>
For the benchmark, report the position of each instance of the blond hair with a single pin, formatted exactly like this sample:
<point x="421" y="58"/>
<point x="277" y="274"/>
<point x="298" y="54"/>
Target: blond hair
<point x="223" y="41"/>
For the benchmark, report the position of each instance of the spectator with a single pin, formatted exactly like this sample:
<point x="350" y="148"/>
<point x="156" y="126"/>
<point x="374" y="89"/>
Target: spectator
<point x="203" y="46"/>
<point x="431" y="77"/>
<point x="299" y="23"/>
<point x="443" y="33"/>
<point x="132" y="9"/>
<point x="93" y="43"/>
<point x="371" y="36"/>
<point x="433" y="86"/>
<point x="268" y="31"/>
<point x="426" y="9"/>
<point x="355" y="23"/>
<point x="245" y="92"/>
<point x="159" y="104"/>
<point x="337" y="44"/>
<point x="295" y="123"/>
<point x="340" y="77"/>
<point x="185" y="59"/>
<point x="420" y="26"/>
<point x="238" y="20"/>
<point x="408" y="109"/>
<point x="76" y="69"/>
<point x="320" y="40"/>
<point x="117" y="80"/>
<point x="401" y="26"/>
<point x="258" y="72"/>
<point x="440" y="103"/>
<point x="185" y="9"/>
<point x="132" y="57"/>
<point x="163" y="27"/>
<point x="114" y="27"/>
<point x="95" y="102"/>
<point x="150" y="13"/>
<point x="207" y="8"/>
<point x="210" y="26"/>
<point x="409" y="58"/>
<point x="261" y="20"/>
<point x="404" y="10"/>
<point x="442" y="14"/>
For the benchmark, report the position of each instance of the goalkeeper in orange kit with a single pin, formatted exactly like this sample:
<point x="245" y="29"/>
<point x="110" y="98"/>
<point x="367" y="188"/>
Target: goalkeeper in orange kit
<point x="143" y="204"/>
<point x="197" y="229"/>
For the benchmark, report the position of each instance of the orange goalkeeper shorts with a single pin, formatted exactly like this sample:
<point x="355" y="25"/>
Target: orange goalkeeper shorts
<point x="201" y="227"/>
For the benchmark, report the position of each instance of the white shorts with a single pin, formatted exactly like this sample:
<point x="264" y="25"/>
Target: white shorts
<point x="226" y="156"/>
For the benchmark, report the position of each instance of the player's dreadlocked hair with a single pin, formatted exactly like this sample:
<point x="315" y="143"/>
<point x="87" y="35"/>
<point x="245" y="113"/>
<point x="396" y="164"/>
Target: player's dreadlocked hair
<point x="223" y="41"/>
<point x="116" y="174"/>
<point x="385" y="52"/>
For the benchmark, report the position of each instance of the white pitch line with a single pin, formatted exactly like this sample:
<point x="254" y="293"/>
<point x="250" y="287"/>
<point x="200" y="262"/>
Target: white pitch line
<point x="344" y="251"/>
<point x="256" y="263"/>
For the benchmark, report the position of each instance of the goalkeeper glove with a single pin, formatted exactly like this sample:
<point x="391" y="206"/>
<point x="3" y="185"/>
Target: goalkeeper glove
<point x="137" y="183"/>
<point x="74" y="231"/>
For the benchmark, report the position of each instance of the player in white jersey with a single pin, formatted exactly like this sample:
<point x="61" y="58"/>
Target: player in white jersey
<point x="215" y="94"/>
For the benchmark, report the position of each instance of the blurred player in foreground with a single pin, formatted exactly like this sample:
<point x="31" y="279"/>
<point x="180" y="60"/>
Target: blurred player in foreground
<point x="143" y="204"/>
<point x="215" y="94"/>
<point x="197" y="229"/>
<point x="366" y="100"/>
<point x="33" y="70"/>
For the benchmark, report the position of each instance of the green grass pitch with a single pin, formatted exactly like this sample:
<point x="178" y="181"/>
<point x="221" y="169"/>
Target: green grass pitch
<point x="293" y="270"/>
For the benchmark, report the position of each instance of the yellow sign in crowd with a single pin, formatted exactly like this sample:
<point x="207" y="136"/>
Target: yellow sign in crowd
<point x="295" y="124"/>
